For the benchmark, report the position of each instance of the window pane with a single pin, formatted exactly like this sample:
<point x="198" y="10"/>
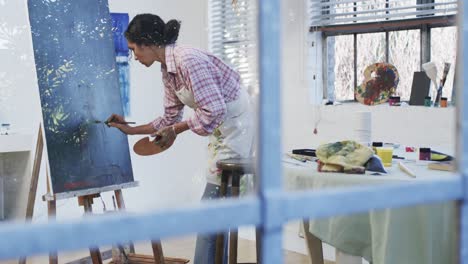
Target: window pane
<point x="342" y="58"/>
<point x="371" y="49"/>
<point x="405" y="56"/>
<point x="444" y="49"/>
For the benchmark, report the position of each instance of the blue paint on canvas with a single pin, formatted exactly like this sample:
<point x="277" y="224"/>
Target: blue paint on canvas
<point x="119" y="25"/>
<point x="78" y="82"/>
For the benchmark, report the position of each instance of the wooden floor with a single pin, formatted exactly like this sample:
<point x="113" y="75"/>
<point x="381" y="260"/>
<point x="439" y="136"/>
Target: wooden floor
<point x="182" y="248"/>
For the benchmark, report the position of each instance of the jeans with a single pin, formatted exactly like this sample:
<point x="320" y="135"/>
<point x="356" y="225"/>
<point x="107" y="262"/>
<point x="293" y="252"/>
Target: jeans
<point x="206" y="243"/>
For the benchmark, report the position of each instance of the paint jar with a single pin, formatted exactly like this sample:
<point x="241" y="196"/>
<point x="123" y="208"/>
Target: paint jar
<point x="443" y="102"/>
<point x="386" y="155"/>
<point x="394" y="100"/>
<point x="376" y="145"/>
<point x="427" y="101"/>
<point x="424" y="153"/>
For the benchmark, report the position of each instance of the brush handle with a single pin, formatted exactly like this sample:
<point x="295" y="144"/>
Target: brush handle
<point x="442" y="83"/>
<point x="122" y="123"/>
<point x="439" y="94"/>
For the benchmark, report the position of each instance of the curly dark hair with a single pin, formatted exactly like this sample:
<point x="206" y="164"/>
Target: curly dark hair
<point x="149" y="29"/>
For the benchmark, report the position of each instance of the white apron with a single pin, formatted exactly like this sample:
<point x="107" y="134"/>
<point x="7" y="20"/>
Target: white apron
<point x="233" y="138"/>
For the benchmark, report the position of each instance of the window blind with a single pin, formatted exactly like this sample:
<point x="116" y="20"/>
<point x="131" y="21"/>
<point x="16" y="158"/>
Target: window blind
<point x="233" y="29"/>
<point x="335" y="12"/>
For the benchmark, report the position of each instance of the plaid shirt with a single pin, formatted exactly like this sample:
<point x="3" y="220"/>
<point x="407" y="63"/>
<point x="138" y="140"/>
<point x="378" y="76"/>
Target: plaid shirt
<point x="212" y="82"/>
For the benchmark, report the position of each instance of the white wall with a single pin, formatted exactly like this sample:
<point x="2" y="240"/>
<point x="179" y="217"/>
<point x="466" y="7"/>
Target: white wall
<point x="19" y="96"/>
<point x="172" y="178"/>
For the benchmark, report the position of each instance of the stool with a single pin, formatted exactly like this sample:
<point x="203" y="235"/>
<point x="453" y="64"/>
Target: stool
<point x="234" y="168"/>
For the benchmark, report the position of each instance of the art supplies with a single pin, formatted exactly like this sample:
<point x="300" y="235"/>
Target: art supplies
<point x="376" y="145"/>
<point x="146" y="147"/>
<point x="380" y="82"/>
<point x="431" y="70"/>
<point x="107" y="122"/>
<point x="74" y="92"/>
<point x="424" y="154"/>
<point x="442" y="166"/>
<point x="394" y="101"/>
<point x="301" y="158"/>
<point x="304" y="152"/>
<point x="442" y="83"/>
<point x="443" y="102"/>
<point x="406" y="170"/>
<point x="439" y="156"/>
<point x="410" y="149"/>
<point x="386" y="155"/>
<point x="419" y="88"/>
<point x="427" y="101"/>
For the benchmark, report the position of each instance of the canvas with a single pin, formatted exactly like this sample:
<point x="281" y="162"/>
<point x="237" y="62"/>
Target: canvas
<point x="119" y="25"/>
<point x="420" y="88"/>
<point x="78" y="82"/>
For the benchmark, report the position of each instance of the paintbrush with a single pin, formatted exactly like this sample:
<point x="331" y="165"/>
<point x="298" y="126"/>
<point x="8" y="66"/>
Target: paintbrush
<point x="442" y="83"/>
<point x="107" y="122"/>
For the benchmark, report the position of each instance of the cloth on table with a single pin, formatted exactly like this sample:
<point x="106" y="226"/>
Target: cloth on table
<point x="343" y="156"/>
<point x="375" y="164"/>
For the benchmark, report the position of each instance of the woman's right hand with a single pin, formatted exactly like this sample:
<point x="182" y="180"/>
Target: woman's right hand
<point x="115" y="118"/>
<point x="118" y="121"/>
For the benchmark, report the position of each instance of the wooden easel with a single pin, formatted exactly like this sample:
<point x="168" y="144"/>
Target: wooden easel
<point x="86" y="201"/>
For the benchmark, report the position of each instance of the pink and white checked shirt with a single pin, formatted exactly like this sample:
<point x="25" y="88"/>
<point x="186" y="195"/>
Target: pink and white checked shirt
<point x="212" y="82"/>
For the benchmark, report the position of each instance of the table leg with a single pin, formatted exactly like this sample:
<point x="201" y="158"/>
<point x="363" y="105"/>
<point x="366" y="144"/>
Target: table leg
<point x="314" y="245"/>
<point x="343" y="258"/>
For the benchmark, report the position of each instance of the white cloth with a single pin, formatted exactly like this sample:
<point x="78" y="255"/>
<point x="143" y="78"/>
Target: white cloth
<point x="233" y="138"/>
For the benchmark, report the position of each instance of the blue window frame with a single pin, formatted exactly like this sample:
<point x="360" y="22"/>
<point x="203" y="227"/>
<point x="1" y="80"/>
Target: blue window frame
<point x="272" y="207"/>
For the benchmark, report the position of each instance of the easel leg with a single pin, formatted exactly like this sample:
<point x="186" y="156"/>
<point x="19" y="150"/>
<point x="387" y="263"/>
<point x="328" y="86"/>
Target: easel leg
<point x="87" y="202"/>
<point x="156" y="245"/>
<point x="52" y="209"/>
<point x="157" y="252"/>
<point x="34" y="180"/>
<point x="121" y="206"/>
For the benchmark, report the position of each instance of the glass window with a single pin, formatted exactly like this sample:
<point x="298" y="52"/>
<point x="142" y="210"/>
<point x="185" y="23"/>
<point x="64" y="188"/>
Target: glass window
<point x="370" y="50"/>
<point x="444" y="50"/>
<point x="343" y="57"/>
<point x="405" y="56"/>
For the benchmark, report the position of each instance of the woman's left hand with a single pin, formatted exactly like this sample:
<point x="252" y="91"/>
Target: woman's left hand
<point x="165" y="137"/>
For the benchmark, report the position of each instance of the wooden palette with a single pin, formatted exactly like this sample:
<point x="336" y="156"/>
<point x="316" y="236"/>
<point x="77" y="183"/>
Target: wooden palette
<point x="147" y="147"/>
<point x="381" y="81"/>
